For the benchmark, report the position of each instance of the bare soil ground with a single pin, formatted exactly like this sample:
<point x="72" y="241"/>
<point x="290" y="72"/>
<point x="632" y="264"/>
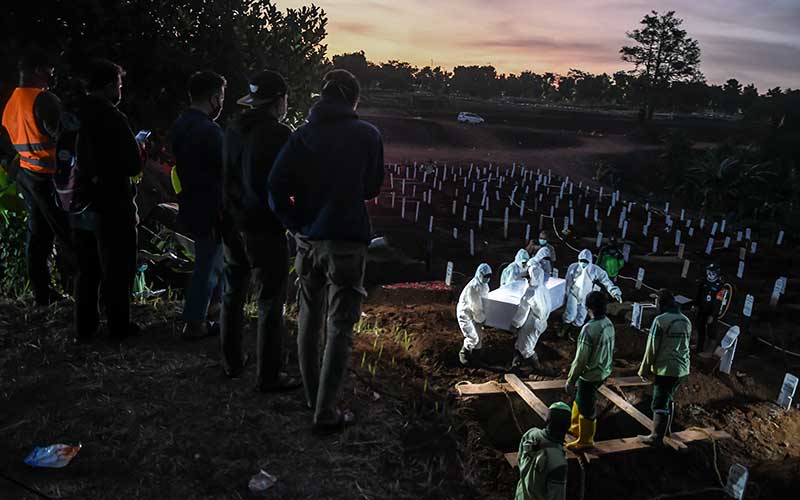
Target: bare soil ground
<point x="158" y="420"/>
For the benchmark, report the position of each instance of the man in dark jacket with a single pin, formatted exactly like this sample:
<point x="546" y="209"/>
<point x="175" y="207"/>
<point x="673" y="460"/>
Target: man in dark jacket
<point x="104" y="235"/>
<point x="318" y="187"/>
<point x="197" y="144"/>
<point x="255" y="241"/>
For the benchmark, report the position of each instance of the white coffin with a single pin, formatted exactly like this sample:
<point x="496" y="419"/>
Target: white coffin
<point x="502" y="303"/>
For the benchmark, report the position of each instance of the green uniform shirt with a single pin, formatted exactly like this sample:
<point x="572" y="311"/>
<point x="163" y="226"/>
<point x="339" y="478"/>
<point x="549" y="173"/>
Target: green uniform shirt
<point x="595" y="357"/>
<point x="667" y="350"/>
<point x="542" y="468"/>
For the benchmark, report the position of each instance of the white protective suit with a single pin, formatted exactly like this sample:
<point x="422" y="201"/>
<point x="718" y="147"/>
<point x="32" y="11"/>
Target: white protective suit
<point x="544" y="257"/>
<point x="530" y="319"/>
<point x="517" y="270"/>
<point x="469" y="310"/>
<point x="580" y="282"/>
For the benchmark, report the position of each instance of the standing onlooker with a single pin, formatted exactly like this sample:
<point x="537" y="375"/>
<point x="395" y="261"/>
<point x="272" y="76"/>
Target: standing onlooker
<point x="318" y="187"/>
<point x="197" y="144"/>
<point x="31" y="118"/>
<point x="667" y="357"/>
<point x="256" y="242"/>
<point x="590" y="369"/>
<point x="104" y="234"/>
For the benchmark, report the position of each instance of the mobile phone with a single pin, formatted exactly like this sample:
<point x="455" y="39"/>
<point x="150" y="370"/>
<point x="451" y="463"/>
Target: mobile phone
<point x="143" y="135"/>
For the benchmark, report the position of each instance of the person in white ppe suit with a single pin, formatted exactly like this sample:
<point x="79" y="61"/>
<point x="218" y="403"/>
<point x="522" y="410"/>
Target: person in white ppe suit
<point x="470" y="313"/>
<point x="544" y="258"/>
<point x="530" y="320"/>
<point x="517" y="270"/>
<point x="582" y="278"/>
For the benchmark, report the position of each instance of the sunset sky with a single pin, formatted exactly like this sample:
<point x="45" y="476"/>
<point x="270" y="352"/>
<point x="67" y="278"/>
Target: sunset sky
<point x="750" y="40"/>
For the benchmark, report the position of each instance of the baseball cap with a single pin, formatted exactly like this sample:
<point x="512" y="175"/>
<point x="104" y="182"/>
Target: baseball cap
<point x="265" y="86"/>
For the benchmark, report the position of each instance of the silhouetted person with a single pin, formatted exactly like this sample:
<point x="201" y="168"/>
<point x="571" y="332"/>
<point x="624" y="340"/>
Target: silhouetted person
<point x="197" y="144"/>
<point x="318" y="187"/>
<point x="31" y="119"/>
<point x="255" y="240"/>
<point x="104" y="234"/>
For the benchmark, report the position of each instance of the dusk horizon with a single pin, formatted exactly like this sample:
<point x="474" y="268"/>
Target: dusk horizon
<point x="752" y="43"/>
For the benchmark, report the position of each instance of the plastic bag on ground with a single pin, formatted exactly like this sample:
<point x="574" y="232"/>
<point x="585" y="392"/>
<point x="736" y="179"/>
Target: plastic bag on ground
<point x="261" y="482"/>
<point x="54" y="456"/>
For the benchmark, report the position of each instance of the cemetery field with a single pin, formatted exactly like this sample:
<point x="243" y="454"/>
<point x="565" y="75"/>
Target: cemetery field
<point x="157" y="419"/>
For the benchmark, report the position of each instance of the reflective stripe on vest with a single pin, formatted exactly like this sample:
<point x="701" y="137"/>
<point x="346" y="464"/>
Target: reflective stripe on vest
<point x="37" y="152"/>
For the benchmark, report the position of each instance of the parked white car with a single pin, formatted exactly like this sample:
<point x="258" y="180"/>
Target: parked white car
<point x="465" y="117"/>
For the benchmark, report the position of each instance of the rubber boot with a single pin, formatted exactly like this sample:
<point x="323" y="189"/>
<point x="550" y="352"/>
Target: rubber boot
<point x="534" y="362"/>
<point x="573" y="428"/>
<point x="660" y="423"/>
<point x="668" y="432"/>
<point x="517" y="360"/>
<point x="463" y="357"/>
<point x="586" y="431"/>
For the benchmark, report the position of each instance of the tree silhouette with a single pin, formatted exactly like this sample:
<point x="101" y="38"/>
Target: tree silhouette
<point x="663" y="54"/>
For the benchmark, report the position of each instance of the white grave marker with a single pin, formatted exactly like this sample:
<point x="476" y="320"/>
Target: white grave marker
<point x="448" y="276"/>
<point x="636" y="316"/>
<point x="788" y="389"/>
<point x="685" y="270"/>
<point x="599" y="239"/>
<point x="737" y="481"/>
<point x="747" y="311"/>
<point x="740" y="270"/>
<point x="655" y="244"/>
<point x="709" y="246"/>
<point x="780" y="238"/>
<point x="640" y="278"/>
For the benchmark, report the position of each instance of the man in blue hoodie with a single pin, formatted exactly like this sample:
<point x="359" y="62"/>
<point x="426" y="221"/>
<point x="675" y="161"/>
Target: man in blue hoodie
<point x="318" y="186"/>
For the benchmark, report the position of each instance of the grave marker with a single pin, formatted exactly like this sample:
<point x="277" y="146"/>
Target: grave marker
<point x="655" y="244"/>
<point x="640" y="278"/>
<point x="448" y="276"/>
<point x="740" y="270"/>
<point x="747" y="311"/>
<point x="788" y="389"/>
<point x="681" y="250"/>
<point x="780" y="238"/>
<point x="685" y="270"/>
<point x="636" y="316"/>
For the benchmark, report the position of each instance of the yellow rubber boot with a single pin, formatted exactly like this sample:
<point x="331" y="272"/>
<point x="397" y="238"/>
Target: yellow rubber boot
<point x="586" y="429"/>
<point x="573" y="428"/>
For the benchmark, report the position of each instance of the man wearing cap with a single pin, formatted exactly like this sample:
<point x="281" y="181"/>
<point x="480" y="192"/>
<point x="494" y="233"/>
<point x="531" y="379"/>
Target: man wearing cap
<point x="542" y="459"/>
<point x="197" y="144"/>
<point x="254" y="239"/>
<point x="318" y="188"/>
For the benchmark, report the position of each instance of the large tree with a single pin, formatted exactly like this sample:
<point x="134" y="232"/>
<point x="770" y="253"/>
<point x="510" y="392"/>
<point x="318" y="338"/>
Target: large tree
<point x="663" y="54"/>
<point x="161" y="43"/>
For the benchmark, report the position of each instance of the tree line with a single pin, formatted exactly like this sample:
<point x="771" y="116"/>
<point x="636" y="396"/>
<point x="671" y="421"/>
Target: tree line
<point x="620" y="89"/>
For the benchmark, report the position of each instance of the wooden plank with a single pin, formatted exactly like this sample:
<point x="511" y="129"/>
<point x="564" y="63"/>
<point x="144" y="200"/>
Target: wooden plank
<point x="527" y="395"/>
<point x="493" y="387"/>
<point x="636" y="414"/>
<point x="626" y="407"/>
<point x="625" y="445"/>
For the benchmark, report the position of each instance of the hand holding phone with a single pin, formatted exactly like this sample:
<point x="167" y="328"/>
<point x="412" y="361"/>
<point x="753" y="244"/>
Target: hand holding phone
<point x="142" y="136"/>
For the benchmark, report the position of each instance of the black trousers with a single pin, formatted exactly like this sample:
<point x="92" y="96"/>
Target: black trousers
<point x="45" y="222"/>
<point x="265" y="258"/>
<point x="704" y="329"/>
<point x="106" y="248"/>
